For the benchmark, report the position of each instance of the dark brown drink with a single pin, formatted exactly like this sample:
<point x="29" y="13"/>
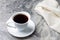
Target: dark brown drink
<point x="20" y="18"/>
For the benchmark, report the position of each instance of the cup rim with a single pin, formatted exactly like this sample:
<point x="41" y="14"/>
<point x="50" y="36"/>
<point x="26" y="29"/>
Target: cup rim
<point x="24" y="13"/>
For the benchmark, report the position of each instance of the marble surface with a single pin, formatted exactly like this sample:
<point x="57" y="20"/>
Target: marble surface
<point x="9" y="7"/>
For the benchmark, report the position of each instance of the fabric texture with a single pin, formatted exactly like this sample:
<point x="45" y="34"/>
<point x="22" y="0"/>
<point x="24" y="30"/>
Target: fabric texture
<point x="51" y="13"/>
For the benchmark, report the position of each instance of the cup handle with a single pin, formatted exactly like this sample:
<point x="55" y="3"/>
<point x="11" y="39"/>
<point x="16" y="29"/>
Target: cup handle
<point x="10" y="24"/>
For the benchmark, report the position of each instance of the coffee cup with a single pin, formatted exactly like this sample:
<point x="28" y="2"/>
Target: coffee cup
<point x="21" y="20"/>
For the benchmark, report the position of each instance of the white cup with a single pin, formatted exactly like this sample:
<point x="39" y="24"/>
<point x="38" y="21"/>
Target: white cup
<point x="21" y="26"/>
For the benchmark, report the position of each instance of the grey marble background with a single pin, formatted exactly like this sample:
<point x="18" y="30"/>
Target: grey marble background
<point x="9" y="7"/>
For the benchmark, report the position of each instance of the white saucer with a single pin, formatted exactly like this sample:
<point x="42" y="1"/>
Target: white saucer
<point x="17" y="33"/>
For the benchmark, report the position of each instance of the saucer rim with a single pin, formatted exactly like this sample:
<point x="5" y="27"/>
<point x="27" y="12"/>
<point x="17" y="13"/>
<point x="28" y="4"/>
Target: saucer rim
<point x="33" y="29"/>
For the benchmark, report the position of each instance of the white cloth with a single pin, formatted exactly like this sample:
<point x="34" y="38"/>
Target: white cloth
<point x="48" y="9"/>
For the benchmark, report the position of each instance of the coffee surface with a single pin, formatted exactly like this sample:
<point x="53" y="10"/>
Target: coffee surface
<point x="20" y="18"/>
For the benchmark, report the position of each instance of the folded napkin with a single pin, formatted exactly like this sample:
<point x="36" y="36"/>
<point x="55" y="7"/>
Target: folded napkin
<point x="49" y="10"/>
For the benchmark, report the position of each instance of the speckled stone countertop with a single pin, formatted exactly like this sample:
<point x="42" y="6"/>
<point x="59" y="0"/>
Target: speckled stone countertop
<point x="9" y="7"/>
